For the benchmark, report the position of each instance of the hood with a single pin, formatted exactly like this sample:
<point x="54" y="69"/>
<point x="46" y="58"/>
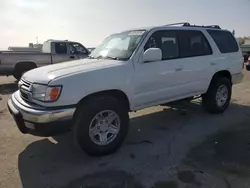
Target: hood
<point x="45" y="74"/>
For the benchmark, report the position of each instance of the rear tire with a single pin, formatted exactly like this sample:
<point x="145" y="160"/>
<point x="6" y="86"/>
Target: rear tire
<point x="218" y="96"/>
<point x="17" y="74"/>
<point x="86" y="116"/>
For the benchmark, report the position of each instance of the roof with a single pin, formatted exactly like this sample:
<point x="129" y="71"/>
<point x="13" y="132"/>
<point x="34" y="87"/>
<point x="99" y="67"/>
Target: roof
<point x="53" y="40"/>
<point x="182" y="25"/>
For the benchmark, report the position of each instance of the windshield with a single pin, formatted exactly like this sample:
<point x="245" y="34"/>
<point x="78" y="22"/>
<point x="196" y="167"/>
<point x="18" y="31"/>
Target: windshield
<point x="118" y="46"/>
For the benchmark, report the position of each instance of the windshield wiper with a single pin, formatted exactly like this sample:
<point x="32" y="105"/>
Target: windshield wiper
<point x="106" y="57"/>
<point x="116" y="58"/>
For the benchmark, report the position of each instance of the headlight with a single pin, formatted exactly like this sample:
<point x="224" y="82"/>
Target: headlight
<point x="45" y="93"/>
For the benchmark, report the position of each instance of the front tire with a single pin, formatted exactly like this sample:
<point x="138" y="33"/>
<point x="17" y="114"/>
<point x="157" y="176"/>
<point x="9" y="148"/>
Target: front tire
<point x="218" y="96"/>
<point x="101" y="125"/>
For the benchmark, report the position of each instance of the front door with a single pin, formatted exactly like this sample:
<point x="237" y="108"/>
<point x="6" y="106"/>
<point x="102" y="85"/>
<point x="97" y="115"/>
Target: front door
<point x="159" y="81"/>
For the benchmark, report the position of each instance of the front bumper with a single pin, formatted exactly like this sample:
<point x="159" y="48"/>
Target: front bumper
<point x="40" y="120"/>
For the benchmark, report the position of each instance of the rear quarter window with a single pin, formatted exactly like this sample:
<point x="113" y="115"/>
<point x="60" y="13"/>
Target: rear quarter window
<point x="224" y="40"/>
<point x="60" y="48"/>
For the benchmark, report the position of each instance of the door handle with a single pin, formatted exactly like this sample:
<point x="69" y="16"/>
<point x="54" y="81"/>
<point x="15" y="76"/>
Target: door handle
<point x="72" y="57"/>
<point x="178" y="69"/>
<point x="213" y="63"/>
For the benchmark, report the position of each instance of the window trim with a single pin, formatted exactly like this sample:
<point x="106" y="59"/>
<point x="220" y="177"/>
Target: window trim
<point x="65" y="45"/>
<point x="83" y="48"/>
<point x="205" y="39"/>
<point x="225" y="31"/>
<point x="165" y="30"/>
<point x="71" y="43"/>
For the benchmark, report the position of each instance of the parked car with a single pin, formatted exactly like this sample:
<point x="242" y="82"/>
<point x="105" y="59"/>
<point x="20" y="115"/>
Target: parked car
<point x="53" y="51"/>
<point x="247" y="63"/>
<point x="129" y="71"/>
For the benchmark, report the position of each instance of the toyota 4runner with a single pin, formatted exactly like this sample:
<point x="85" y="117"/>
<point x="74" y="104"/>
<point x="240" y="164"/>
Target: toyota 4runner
<point x="128" y="71"/>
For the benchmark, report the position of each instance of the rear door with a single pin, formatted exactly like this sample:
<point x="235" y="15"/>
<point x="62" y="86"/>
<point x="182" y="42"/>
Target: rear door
<point x="196" y="56"/>
<point x="60" y="52"/>
<point x="228" y="50"/>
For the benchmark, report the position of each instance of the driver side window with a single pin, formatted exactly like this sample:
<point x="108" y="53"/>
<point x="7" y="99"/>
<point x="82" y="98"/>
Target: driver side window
<point x="167" y="41"/>
<point x="151" y="43"/>
<point x="75" y="48"/>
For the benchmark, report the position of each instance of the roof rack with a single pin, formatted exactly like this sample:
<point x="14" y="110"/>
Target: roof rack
<point x="56" y="40"/>
<point x="213" y="26"/>
<point x="180" y="23"/>
<point x="205" y="26"/>
<point x="186" y="24"/>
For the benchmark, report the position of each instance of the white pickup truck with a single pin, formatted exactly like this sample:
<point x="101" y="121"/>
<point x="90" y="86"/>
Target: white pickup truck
<point x="129" y="71"/>
<point x="53" y="51"/>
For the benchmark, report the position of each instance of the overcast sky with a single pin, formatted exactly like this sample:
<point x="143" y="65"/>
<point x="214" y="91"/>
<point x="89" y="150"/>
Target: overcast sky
<point x="90" y="21"/>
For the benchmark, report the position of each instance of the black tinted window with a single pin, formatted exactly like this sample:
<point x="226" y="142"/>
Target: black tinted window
<point x="76" y="48"/>
<point x="166" y="41"/>
<point x="224" y="40"/>
<point x="61" y="48"/>
<point x="193" y="43"/>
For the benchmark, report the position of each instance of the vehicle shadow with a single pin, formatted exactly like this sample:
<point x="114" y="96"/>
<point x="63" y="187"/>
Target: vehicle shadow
<point x="56" y="162"/>
<point x="8" y="88"/>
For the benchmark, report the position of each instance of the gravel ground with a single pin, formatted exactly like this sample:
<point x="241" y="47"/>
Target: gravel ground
<point x="181" y="146"/>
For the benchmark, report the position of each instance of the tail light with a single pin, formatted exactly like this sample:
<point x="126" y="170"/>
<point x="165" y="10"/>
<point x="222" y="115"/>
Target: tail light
<point x="248" y="59"/>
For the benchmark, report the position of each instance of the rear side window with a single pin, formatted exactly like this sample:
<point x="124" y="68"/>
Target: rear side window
<point x="61" y="48"/>
<point x="224" y="40"/>
<point x="193" y="43"/>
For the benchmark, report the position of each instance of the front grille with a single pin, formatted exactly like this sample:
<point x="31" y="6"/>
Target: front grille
<point x="25" y="84"/>
<point x="24" y="95"/>
<point x="25" y="89"/>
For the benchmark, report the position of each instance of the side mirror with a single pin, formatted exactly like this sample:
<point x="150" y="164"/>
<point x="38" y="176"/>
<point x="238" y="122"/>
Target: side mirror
<point x="152" y="54"/>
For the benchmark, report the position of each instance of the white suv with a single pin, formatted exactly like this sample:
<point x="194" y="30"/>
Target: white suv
<point x="129" y="71"/>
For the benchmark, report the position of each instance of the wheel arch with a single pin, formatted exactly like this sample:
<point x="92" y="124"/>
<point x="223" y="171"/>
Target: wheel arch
<point x="116" y="93"/>
<point x="21" y="66"/>
<point x="219" y="74"/>
<point x="22" y="63"/>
